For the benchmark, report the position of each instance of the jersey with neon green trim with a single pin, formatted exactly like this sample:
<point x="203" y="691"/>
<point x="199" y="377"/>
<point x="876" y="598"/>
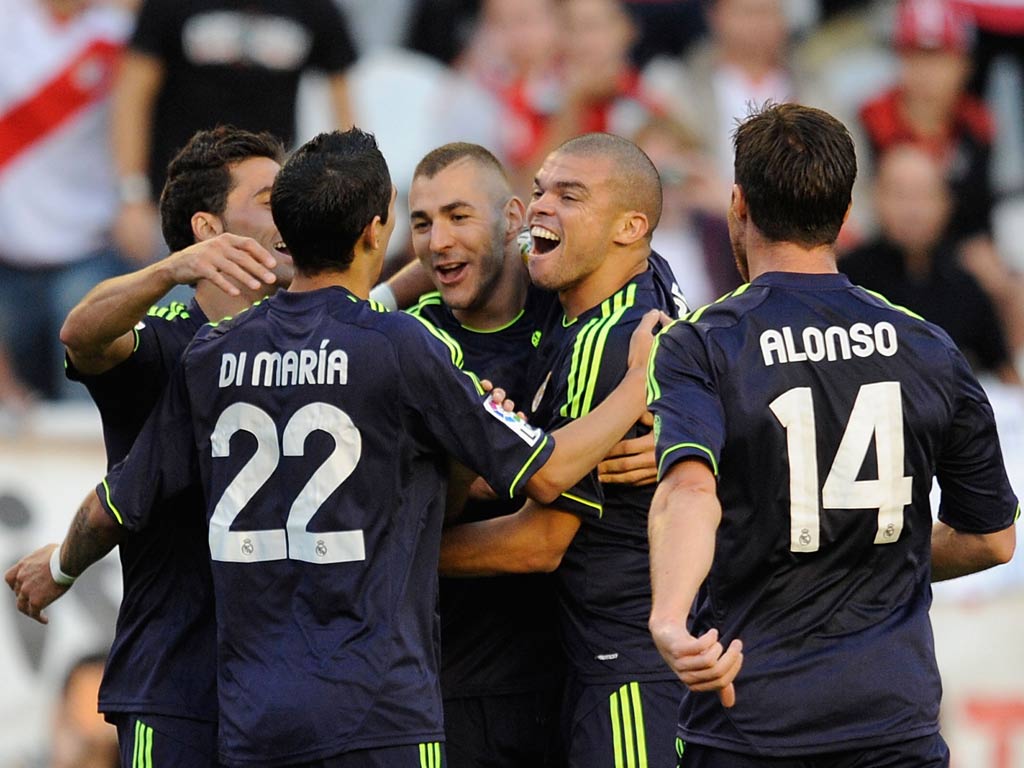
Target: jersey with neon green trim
<point x="826" y="412"/>
<point x="318" y="428"/>
<point x="499" y="635"/>
<point x="161" y="660"/>
<point x="604" y="576"/>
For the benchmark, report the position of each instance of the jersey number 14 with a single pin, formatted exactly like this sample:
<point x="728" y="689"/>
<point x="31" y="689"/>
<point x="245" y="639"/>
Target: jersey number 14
<point x="877" y="415"/>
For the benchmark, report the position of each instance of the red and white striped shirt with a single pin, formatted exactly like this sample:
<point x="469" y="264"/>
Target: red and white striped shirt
<point x="57" y="184"/>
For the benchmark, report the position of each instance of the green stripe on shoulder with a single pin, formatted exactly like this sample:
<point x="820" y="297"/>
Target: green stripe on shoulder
<point x="653" y="388"/>
<point x="897" y="307"/>
<point x="172" y="311"/>
<point x="696" y="315"/>
<point x="431" y="299"/>
<point x="454" y="348"/>
<point x="588" y="351"/>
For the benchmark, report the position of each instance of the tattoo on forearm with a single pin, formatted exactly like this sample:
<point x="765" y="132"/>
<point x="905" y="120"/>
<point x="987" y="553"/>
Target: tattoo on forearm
<point x="85" y="543"/>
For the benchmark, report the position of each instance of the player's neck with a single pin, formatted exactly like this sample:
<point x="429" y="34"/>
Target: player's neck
<point x="616" y="270"/>
<point x="505" y="302"/>
<point x="217" y="305"/>
<point x="791" y="257"/>
<point x="352" y="281"/>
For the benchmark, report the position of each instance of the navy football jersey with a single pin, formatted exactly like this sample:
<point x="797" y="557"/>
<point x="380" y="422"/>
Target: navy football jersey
<point x="163" y="657"/>
<point x="604" y="576"/>
<point x="318" y="427"/>
<point x="825" y="413"/>
<point x="498" y="634"/>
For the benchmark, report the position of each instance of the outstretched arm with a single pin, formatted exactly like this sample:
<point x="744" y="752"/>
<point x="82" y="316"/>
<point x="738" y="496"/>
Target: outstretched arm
<point x="98" y="331"/>
<point x="34" y="578"/>
<point x="684" y="519"/>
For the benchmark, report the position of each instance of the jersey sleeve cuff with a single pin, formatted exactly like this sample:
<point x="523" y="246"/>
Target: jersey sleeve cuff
<point x="103" y="492"/>
<point x="676" y="453"/>
<point x="536" y="460"/>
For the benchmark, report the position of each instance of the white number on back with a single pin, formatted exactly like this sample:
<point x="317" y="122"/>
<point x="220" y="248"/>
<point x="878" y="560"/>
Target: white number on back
<point x="294" y="540"/>
<point x="877" y="415"/>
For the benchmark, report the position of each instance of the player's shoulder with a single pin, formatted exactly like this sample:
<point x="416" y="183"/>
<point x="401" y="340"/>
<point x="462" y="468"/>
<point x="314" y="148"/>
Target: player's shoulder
<point x="727" y="310"/>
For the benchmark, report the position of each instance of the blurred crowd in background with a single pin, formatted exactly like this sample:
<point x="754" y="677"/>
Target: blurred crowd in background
<point x="97" y="95"/>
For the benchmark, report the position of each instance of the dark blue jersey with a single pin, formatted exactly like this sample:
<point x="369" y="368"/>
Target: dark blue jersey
<point x="498" y="634"/>
<point x="825" y="412"/>
<point x="163" y="657"/>
<point x="604" y="577"/>
<point x="318" y="427"/>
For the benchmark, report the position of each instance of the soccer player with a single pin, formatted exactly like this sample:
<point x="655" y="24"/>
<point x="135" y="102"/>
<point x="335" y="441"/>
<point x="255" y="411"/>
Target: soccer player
<point x="596" y="200"/>
<point x="800" y="423"/>
<point x="501" y="678"/>
<point x="316" y="424"/>
<point x="159" y="687"/>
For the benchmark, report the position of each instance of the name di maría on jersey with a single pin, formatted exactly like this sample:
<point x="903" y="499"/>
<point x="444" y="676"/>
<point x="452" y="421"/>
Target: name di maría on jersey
<point x="833" y="343"/>
<point x="284" y="369"/>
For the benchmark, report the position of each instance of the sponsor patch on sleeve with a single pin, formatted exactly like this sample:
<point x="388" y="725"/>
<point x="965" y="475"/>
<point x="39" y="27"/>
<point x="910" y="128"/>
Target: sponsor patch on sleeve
<point x="529" y="435"/>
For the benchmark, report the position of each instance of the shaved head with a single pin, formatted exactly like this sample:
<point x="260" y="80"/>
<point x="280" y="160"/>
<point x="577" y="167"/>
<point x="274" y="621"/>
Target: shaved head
<point x="637" y="186"/>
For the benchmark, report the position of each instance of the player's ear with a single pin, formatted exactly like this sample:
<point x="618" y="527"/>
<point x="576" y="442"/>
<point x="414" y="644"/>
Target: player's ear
<point x="206" y="226"/>
<point x="515" y="218"/>
<point x="738" y="204"/>
<point x="373" y="235"/>
<point x="632" y="227"/>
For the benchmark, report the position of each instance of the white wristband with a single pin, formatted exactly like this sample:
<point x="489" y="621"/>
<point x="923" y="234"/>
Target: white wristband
<point x="59" y="577"/>
<point x="382" y="292"/>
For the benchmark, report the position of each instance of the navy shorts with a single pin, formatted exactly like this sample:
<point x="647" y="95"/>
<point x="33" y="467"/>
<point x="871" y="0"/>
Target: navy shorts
<point x="157" y="741"/>
<point x="427" y="755"/>
<point x="927" y="752"/>
<point x="503" y="731"/>
<point x="615" y="724"/>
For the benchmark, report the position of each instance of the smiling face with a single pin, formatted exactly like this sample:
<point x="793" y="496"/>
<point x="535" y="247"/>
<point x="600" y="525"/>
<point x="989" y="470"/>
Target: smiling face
<point x="247" y="210"/>
<point x="573" y="214"/>
<point x="459" y="231"/>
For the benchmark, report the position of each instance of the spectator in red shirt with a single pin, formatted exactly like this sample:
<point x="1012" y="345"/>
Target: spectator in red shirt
<point x="930" y="107"/>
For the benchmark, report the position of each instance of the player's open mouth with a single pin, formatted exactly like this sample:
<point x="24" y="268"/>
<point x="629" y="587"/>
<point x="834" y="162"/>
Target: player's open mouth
<point x="450" y="273"/>
<point x="544" y="240"/>
<point x="281" y="248"/>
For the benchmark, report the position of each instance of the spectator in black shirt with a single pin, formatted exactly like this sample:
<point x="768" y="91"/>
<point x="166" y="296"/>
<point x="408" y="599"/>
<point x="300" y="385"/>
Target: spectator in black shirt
<point x="912" y="265"/>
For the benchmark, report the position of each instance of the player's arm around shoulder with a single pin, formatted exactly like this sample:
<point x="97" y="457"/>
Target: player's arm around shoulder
<point x="98" y="332"/>
<point x="532" y="540"/>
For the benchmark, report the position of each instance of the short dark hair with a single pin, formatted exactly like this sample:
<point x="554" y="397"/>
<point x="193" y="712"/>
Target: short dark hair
<point x="327" y="193"/>
<point x="637" y="183"/>
<point x="199" y="177"/>
<point x="796" y="166"/>
<point x="436" y="160"/>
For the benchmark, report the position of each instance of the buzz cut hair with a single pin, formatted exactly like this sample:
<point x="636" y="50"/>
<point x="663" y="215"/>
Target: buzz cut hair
<point x="637" y="184"/>
<point x="436" y="160"/>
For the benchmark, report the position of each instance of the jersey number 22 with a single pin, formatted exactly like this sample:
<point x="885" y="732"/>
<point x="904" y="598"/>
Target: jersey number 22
<point x="293" y="541"/>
